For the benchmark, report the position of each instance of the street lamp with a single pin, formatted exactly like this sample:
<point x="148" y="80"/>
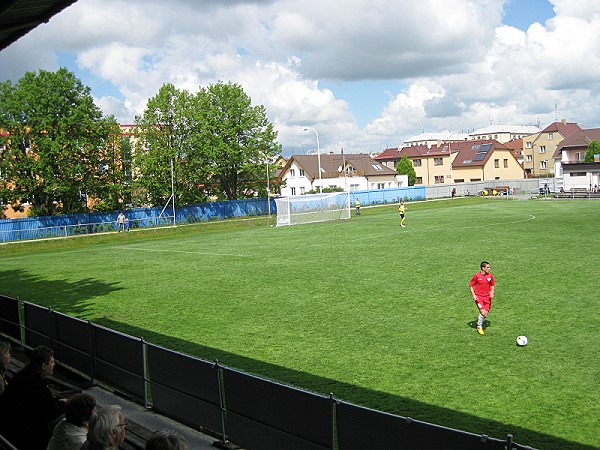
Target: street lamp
<point x="450" y="157"/>
<point x="318" y="157"/>
<point x="268" y="187"/>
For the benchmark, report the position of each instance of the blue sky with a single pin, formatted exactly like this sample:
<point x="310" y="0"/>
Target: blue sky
<point x="367" y="76"/>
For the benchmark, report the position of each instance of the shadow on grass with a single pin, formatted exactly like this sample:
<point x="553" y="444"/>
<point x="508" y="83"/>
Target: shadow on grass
<point x="354" y="394"/>
<point x="473" y="324"/>
<point x="62" y="295"/>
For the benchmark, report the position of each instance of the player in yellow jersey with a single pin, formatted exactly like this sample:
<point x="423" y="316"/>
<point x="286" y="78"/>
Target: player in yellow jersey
<point x="401" y="210"/>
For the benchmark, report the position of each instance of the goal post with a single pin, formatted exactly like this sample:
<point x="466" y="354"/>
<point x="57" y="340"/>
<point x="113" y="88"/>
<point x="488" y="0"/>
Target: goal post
<point x="299" y="209"/>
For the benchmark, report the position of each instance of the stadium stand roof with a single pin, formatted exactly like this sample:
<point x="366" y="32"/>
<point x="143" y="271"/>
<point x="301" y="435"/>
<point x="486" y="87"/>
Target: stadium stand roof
<point x="19" y="17"/>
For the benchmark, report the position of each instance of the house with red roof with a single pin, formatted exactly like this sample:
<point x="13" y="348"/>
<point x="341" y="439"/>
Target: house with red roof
<point x="538" y="148"/>
<point x="350" y="172"/>
<point x="457" y="162"/>
<point x="569" y="160"/>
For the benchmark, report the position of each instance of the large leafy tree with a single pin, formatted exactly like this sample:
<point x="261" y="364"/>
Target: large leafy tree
<point x="405" y="167"/>
<point x="53" y="142"/>
<point x="218" y="142"/>
<point x="593" y="149"/>
<point x="168" y="141"/>
<point x="239" y="139"/>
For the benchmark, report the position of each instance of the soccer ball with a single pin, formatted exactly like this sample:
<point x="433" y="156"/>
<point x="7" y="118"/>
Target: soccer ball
<point x="522" y="341"/>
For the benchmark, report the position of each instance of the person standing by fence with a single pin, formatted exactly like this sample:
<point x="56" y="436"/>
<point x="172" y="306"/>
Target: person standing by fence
<point x="121" y="222"/>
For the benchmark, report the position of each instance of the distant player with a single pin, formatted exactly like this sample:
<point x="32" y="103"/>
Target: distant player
<point x="402" y="210"/>
<point x="357" y="206"/>
<point x="482" y="289"/>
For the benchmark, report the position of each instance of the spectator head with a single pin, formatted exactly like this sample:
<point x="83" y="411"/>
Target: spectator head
<point x="166" y="440"/>
<point x="42" y="360"/>
<point x="4" y="354"/>
<point x="107" y="428"/>
<point x="79" y="409"/>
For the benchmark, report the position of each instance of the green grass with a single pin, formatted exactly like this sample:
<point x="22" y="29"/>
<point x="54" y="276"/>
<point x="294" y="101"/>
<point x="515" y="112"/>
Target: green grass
<point x="376" y="314"/>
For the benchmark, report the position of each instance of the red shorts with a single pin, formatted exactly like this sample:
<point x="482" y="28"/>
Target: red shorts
<point x="484" y="303"/>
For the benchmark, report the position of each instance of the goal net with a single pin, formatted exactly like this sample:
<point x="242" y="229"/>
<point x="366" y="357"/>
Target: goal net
<point x="298" y="209"/>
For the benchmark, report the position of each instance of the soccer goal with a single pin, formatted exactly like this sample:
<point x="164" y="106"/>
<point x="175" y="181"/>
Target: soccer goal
<point x="298" y="209"/>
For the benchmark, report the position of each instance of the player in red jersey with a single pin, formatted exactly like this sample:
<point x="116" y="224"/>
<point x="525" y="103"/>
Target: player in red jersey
<point x="482" y="289"/>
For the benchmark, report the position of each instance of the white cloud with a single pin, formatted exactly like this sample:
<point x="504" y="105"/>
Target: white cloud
<point x="459" y="67"/>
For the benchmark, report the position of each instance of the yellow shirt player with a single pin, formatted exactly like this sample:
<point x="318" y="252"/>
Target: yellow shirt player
<point x="401" y="210"/>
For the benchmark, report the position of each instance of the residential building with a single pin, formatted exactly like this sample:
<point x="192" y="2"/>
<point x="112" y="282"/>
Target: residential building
<point x="503" y="133"/>
<point x="350" y="172"/>
<point x="569" y="160"/>
<point x="471" y="161"/>
<point x="431" y="139"/>
<point x="485" y="160"/>
<point x="431" y="164"/>
<point x="539" y="147"/>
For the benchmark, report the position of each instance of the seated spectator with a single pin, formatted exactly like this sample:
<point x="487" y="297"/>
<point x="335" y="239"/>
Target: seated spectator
<point x="4" y="362"/>
<point x="106" y="430"/>
<point x="27" y="408"/>
<point x="166" y="440"/>
<point x="70" y="433"/>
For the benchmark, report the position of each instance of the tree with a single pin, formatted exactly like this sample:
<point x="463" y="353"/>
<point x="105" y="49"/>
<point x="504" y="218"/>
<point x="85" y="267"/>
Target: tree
<point x="405" y="167"/>
<point x="218" y="142"/>
<point x="593" y="149"/>
<point x="239" y="139"/>
<point x="170" y="132"/>
<point x="53" y="139"/>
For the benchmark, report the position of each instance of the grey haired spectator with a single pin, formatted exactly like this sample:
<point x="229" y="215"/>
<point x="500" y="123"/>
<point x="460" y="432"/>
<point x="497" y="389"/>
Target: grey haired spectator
<point x="106" y="430"/>
<point x="166" y="440"/>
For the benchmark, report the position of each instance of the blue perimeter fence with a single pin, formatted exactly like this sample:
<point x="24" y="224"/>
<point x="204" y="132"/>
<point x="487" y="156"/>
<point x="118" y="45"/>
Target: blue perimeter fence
<point x="247" y="410"/>
<point x="102" y="222"/>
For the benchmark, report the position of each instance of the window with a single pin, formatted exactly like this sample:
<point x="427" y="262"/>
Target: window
<point x="459" y="180"/>
<point x="496" y="163"/>
<point x="542" y="149"/>
<point x="302" y="190"/>
<point x="380" y="185"/>
<point x="529" y="158"/>
<point x="377" y="167"/>
<point x="293" y="191"/>
<point x="301" y="172"/>
<point x="543" y="165"/>
<point x="528" y="144"/>
<point x="354" y="187"/>
<point x="577" y="174"/>
<point x="292" y="174"/>
<point x="419" y="180"/>
<point x="550" y="136"/>
<point x="416" y="163"/>
<point x="579" y="156"/>
<point x="438" y="161"/>
<point x="439" y="179"/>
<point x="506" y="163"/>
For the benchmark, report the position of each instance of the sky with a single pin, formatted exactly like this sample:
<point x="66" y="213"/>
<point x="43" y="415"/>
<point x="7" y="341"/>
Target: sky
<point x="364" y="74"/>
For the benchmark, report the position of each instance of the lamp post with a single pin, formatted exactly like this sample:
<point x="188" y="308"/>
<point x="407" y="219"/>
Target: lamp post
<point x="268" y="187"/>
<point x="450" y="157"/>
<point x="318" y="157"/>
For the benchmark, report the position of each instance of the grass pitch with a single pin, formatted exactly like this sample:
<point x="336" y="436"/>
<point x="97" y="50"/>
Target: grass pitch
<point x="376" y="314"/>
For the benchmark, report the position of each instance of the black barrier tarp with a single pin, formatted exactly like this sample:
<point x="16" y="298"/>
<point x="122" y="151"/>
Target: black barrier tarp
<point x="9" y="317"/>
<point x="264" y="414"/>
<point x="119" y="361"/>
<point x="71" y="340"/>
<point x="185" y="388"/>
<point x="38" y="328"/>
<point x="359" y="428"/>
